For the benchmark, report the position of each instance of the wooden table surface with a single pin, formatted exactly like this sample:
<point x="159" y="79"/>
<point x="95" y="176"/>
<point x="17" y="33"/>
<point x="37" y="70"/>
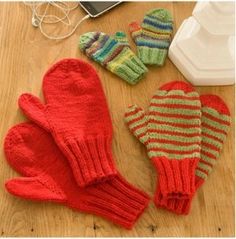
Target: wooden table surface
<point x="25" y="55"/>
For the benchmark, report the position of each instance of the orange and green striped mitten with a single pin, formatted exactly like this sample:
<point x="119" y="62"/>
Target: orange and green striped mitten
<point x="215" y="123"/>
<point x="171" y="131"/>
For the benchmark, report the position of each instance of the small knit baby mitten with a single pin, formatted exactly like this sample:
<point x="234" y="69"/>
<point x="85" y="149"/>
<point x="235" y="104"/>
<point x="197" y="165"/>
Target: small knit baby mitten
<point x="114" y="53"/>
<point x="171" y="131"/>
<point x="215" y="123"/>
<point x="77" y="115"/>
<point x="47" y="176"/>
<point x="153" y="37"/>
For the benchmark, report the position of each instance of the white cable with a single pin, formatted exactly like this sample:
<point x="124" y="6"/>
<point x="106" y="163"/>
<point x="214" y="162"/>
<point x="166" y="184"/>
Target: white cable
<point x="38" y="20"/>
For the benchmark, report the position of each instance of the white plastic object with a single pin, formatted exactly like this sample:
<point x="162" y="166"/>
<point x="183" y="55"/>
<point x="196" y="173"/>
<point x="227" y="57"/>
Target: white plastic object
<point x="217" y="17"/>
<point x="204" y="57"/>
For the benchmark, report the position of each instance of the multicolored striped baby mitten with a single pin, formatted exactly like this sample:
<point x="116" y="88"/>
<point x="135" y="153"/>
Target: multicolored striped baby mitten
<point x="114" y="53"/>
<point x="215" y="123"/>
<point x="171" y="131"/>
<point x="153" y="37"/>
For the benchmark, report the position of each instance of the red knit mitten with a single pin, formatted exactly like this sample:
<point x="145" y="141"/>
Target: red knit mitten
<point x="48" y="177"/>
<point x="215" y="122"/>
<point x="77" y="116"/>
<point x="171" y="132"/>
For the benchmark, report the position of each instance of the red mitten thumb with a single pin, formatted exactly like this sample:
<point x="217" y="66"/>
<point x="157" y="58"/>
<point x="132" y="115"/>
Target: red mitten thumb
<point x="34" y="110"/>
<point x="33" y="188"/>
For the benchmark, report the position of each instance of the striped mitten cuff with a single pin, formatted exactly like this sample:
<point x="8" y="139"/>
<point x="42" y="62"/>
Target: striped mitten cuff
<point x="114" y="54"/>
<point x="215" y="123"/>
<point x="174" y="128"/>
<point x="153" y="37"/>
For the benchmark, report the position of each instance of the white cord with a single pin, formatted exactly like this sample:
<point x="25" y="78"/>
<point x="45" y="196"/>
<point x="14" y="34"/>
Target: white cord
<point x="38" y="20"/>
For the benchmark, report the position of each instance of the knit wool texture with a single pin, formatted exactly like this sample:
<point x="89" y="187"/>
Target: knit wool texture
<point x="77" y="116"/>
<point x="171" y="132"/>
<point x="215" y="123"/>
<point x="47" y="176"/>
<point x="114" y="53"/>
<point x="153" y="37"/>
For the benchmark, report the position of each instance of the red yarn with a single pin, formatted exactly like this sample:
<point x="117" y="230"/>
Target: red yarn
<point x="48" y="177"/>
<point x="215" y="102"/>
<point x="177" y="85"/>
<point x="76" y="114"/>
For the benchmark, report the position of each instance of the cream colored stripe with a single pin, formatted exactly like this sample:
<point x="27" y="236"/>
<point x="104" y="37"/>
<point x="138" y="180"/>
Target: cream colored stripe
<point x="176" y="120"/>
<point x="174" y="128"/>
<point x="173" y="156"/>
<point x="177" y="92"/>
<point x="215" y="113"/>
<point x="175" y="111"/>
<point x="177" y="101"/>
<point x="201" y="174"/>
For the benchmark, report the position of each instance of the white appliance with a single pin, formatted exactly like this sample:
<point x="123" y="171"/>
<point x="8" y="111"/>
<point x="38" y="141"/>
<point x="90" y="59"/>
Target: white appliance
<point x="203" y="47"/>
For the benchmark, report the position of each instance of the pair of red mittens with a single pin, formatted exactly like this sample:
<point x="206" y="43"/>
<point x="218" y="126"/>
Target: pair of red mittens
<point x="68" y="159"/>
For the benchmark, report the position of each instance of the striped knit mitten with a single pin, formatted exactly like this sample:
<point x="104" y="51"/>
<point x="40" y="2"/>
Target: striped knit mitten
<point x="171" y="132"/>
<point x="153" y="37"/>
<point x="215" y="123"/>
<point x="114" y="53"/>
<point x="47" y="176"/>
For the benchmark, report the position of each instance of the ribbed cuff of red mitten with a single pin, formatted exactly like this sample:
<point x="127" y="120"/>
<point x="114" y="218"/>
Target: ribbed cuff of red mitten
<point x="118" y="201"/>
<point x="176" y="177"/>
<point x="178" y="206"/>
<point x="90" y="159"/>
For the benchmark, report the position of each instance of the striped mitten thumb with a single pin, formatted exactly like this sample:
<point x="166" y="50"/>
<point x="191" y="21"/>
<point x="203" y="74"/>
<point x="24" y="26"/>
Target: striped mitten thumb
<point x="136" y="120"/>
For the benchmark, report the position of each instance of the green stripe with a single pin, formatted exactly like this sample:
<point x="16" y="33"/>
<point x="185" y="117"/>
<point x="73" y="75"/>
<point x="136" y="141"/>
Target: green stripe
<point x="173" y="156"/>
<point x="175" y="138"/>
<point x="213" y="133"/>
<point x="143" y="139"/>
<point x="176" y="92"/>
<point x="154" y="29"/>
<point x="108" y="54"/>
<point x="95" y="54"/>
<point x="216" y="114"/>
<point x="174" y="129"/>
<point x="207" y="159"/>
<point x="157" y="42"/>
<point x="215" y="124"/>
<point x="205" y="167"/>
<point x="135" y="116"/>
<point x="170" y="23"/>
<point x="177" y="101"/>
<point x="140" y="131"/>
<point x="212" y="141"/>
<point x="206" y="149"/>
<point x="176" y="120"/>
<point x="201" y="174"/>
<point x="173" y="147"/>
<point x="175" y="111"/>
<point x="137" y="123"/>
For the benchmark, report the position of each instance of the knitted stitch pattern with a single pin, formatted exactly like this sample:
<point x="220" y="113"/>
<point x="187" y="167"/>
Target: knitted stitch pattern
<point x="114" y="54"/>
<point x="76" y="114"/>
<point x="171" y="132"/>
<point x="215" y="123"/>
<point x="153" y="37"/>
<point x="47" y="176"/>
